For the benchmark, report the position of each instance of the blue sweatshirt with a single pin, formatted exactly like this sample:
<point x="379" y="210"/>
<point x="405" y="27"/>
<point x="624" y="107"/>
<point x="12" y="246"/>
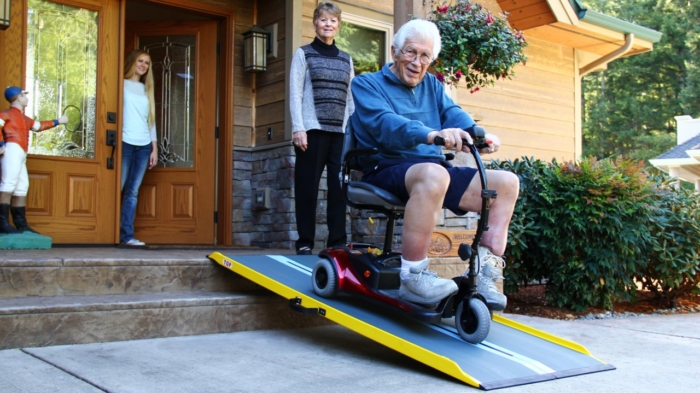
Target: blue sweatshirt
<point x="396" y="119"/>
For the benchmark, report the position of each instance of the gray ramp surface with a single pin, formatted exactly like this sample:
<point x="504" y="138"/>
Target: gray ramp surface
<point x="508" y="357"/>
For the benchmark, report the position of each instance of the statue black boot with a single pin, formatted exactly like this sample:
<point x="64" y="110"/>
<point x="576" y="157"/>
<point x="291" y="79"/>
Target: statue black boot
<point x="5" y="226"/>
<point x="20" y="219"/>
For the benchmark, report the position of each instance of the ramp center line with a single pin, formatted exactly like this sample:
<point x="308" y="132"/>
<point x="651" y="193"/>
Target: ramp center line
<point x="532" y="364"/>
<point x="291" y="263"/>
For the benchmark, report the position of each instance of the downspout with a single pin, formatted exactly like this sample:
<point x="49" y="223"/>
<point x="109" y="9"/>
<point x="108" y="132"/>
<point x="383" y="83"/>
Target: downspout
<point x="619" y="52"/>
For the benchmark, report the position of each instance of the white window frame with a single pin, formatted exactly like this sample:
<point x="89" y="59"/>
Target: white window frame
<point x="387" y="28"/>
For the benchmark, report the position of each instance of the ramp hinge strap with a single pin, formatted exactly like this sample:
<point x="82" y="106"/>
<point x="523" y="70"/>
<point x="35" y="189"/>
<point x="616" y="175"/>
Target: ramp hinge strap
<point x="295" y="304"/>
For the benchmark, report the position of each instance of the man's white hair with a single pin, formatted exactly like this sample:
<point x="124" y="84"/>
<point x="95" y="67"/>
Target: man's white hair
<point x="418" y="30"/>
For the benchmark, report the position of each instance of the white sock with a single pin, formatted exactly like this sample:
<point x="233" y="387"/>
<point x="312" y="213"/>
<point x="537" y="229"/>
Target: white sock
<point x="407" y="265"/>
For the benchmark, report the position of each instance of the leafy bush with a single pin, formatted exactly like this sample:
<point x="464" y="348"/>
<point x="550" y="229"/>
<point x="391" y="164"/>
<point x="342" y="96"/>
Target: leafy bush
<point x="586" y="231"/>
<point x="522" y="251"/>
<point x="674" y="261"/>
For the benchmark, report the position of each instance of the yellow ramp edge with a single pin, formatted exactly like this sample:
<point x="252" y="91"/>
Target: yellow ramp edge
<point x="389" y="340"/>
<point x="544" y="335"/>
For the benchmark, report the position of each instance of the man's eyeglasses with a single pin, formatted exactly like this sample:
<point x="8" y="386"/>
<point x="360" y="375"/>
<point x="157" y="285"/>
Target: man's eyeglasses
<point x="411" y="55"/>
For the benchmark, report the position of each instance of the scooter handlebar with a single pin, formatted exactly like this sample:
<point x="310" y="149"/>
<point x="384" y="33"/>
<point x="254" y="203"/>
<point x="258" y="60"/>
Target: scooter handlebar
<point x="477" y="133"/>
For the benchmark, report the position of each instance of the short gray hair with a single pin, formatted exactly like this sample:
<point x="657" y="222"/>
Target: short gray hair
<point x="328" y="7"/>
<point x="418" y="30"/>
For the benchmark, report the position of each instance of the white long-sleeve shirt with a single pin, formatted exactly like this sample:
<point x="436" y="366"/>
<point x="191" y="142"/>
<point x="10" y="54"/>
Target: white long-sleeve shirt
<point x="135" y="129"/>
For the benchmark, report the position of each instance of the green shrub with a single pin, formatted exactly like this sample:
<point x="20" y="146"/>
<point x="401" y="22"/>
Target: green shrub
<point x="586" y="229"/>
<point x="522" y="252"/>
<point x="674" y="261"/>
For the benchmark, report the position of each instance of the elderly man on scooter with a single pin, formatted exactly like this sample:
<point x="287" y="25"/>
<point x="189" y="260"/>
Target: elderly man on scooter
<point x="399" y="110"/>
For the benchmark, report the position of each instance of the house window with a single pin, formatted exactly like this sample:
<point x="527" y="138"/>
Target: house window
<point x="368" y="41"/>
<point x="62" y="71"/>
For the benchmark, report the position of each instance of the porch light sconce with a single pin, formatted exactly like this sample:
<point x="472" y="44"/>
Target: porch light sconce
<point x="254" y="47"/>
<point x="4" y="14"/>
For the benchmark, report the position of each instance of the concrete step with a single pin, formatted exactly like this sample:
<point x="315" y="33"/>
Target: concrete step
<point x="58" y="320"/>
<point x="114" y="275"/>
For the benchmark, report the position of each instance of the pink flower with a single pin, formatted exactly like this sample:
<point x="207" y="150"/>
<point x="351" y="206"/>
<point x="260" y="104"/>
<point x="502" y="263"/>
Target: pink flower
<point x="443" y="9"/>
<point x="458" y="74"/>
<point x="489" y="19"/>
<point x="440" y="76"/>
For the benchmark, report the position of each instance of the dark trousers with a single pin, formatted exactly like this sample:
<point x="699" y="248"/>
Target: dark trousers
<point x="324" y="150"/>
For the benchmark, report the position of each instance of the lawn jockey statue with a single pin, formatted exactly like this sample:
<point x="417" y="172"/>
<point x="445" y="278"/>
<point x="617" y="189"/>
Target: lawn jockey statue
<point x="14" y="144"/>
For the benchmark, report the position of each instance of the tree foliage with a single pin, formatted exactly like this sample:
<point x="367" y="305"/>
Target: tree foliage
<point x="629" y="108"/>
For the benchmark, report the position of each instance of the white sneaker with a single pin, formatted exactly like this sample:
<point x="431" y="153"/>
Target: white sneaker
<point x="425" y="287"/>
<point x="134" y="242"/>
<point x="487" y="273"/>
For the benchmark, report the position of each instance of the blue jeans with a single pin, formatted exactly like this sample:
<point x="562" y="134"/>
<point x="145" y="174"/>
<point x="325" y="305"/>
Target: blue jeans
<point x="134" y="165"/>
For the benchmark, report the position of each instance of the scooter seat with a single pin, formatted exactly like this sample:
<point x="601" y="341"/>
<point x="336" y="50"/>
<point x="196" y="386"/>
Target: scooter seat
<point x="362" y="193"/>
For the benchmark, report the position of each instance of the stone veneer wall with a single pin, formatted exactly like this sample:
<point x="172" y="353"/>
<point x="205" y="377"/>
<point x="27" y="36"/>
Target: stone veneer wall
<point x="276" y="227"/>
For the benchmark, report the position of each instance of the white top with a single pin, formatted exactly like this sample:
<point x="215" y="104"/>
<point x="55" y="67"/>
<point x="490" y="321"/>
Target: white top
<point x="135" y="130"/>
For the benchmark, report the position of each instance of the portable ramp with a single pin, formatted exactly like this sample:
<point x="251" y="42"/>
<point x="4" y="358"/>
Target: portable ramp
<point x="512" y="354"/>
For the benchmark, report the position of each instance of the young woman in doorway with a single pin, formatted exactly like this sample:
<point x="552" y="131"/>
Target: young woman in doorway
<point x="139" y="141"/>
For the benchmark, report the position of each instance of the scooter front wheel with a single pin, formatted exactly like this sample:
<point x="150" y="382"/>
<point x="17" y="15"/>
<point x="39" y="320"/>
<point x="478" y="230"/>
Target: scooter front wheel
<point x="474" y="323"/>
<point x="324" y="279"/>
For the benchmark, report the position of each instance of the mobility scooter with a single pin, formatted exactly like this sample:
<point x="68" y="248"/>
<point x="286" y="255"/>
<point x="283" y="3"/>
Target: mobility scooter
<point x="358" y="269"/>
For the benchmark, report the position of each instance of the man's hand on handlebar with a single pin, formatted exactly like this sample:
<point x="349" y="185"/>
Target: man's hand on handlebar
<point x="492" y="142"/>
<point x="454" y="138"/>
<point x="458" y="139"/>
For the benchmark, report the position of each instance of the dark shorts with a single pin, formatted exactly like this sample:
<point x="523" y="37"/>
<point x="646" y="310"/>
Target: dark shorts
<point x="390" y="175"/>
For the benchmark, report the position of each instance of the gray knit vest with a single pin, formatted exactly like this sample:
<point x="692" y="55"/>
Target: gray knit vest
<point x="329" y="69"/>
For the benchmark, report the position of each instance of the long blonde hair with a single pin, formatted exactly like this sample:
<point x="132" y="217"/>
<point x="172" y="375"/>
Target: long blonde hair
<point x="146" y="79"/>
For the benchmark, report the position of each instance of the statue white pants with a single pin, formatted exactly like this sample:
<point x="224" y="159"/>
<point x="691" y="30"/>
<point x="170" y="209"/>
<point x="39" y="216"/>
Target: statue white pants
<point x="14" y="170"/>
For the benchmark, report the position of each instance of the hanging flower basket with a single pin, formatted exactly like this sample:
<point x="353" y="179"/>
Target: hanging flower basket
<point x="477" y="46"/>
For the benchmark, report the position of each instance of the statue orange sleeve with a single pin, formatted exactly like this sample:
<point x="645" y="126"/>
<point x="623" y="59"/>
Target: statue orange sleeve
<point x="46" y="124"/>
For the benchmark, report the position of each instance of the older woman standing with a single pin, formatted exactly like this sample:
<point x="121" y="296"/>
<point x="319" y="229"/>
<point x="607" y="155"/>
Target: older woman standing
<point x="320" y="104"/>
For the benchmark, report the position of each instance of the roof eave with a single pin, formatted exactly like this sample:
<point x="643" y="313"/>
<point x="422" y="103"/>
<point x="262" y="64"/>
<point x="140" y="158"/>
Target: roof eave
<point x="621" y="26"/>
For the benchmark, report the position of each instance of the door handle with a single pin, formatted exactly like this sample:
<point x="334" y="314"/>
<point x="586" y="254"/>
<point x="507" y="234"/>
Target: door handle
<point x="111" y="141"/>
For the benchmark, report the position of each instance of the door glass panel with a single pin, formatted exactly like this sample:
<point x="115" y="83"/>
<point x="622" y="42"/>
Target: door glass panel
<point x="173" y="62"/>
<point x="61" y="71"/>
<point x="365" y="45"/>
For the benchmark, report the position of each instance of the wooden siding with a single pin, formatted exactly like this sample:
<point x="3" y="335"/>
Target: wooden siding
<point x="269" y="86"/>
<point x="533" y="114"/>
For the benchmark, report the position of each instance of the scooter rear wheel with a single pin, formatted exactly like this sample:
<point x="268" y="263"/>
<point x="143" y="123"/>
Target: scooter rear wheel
<point x="474" y="323"/>
<point x="324" y="279"/>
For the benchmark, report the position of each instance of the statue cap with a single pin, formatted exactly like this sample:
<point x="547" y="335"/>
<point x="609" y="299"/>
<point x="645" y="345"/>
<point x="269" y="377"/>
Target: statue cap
<point x="13" y="91"/>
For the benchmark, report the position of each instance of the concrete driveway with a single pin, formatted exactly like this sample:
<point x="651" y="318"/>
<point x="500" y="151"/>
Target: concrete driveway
<point x="651" y="353"/>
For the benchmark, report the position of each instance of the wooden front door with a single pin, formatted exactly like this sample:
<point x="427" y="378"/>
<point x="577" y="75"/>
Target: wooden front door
<point x="177" y="198"/>
<point x="71" y="57"/>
